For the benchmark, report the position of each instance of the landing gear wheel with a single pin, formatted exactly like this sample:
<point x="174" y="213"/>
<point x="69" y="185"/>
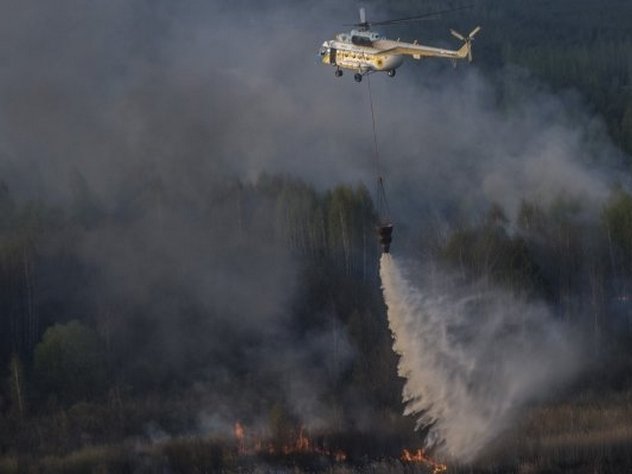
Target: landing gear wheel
<point x="338" y="73"/>
<point x="358" y="77"/>
<point x="391" y="73"/>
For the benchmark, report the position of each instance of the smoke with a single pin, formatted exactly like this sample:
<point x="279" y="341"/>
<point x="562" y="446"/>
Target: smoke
<point x="195" y="92"/>
<point x="472" y="356"/>
<point x="154" y="113"/>
<point x="145" y="124"/>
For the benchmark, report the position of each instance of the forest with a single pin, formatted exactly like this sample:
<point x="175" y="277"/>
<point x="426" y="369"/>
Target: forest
<point x="579" y="47"/>
<point x="149" y="317"/>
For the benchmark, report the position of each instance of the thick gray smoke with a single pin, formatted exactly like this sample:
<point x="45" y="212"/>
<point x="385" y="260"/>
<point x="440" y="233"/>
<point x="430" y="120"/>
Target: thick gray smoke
<point x="472" y="357"/>
<point x="195" y="91"/>
<point x="158" y="106"/>
<point x="146" y="118"/>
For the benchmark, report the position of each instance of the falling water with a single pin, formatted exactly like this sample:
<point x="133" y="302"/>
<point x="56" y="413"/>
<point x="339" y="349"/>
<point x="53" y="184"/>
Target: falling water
<point x="472" y="356"/>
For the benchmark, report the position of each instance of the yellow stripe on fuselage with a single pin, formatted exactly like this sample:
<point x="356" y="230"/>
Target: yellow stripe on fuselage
<point x="358" y="60"/>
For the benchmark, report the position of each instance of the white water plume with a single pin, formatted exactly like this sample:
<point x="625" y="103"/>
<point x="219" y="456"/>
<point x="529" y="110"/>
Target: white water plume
<point x="472" y="357"/>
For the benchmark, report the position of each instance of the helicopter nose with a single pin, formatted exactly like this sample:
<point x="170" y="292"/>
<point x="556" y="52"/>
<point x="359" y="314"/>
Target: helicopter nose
<point x="319" y="55"/>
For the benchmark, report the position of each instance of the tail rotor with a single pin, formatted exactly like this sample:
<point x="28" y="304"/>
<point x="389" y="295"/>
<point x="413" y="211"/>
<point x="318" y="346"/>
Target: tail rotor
<point x="467" y="40"/>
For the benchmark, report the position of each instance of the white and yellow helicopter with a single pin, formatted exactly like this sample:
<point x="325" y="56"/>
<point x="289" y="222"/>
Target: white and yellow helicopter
<point x="366" y="51"/>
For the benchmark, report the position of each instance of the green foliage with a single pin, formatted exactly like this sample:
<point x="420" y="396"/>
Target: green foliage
<point x="578" y="45"/>
<point x="69" y="362"/>
<point x="332" y="241"/>
<point x="7" y="207"/>
<point x="8" y="465"/>
<point x="281" y="425"/>
<point x="350" y="221"/>
<point x="300" y="214"/>
<point x="488" y="251"/>
<point x="531" y="219"/>
<point x="626" y="128"/>
<point x="194" y="455"/>
<point x="17" y="392"/>
<point x="93" y="459"/>
<point x="617" y="218"/>
<point x="22" y="230"/>
<point x="373" y="373"/>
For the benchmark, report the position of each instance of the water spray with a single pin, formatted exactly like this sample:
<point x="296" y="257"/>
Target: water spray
<point x="473" y="357"/>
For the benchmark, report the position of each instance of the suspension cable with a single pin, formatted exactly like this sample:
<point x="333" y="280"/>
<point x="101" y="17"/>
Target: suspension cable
<point x="378" y="170"/>
<point x="382" y="203"/>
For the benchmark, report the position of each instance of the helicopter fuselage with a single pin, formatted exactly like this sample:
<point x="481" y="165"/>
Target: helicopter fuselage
<point x="358" y="58"/>
<point x="366" y="51"/>
<point x="358" y="51"/>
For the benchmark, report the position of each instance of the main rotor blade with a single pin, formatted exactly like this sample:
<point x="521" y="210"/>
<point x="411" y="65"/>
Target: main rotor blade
<point x="417" y="17"/>
<point x="458" y="35"/>
<point x="474" y="31"/>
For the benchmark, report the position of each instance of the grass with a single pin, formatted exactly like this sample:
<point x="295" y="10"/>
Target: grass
<point x="588" y="434"/>
<point x="8" y="465"/>
<point x="591" y="434"/>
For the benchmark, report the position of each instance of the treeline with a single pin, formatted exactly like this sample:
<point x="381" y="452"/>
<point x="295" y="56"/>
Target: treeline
<point x="569" y="45"/>
<point x="580" y="265"/>
<point x="87" y="359"/>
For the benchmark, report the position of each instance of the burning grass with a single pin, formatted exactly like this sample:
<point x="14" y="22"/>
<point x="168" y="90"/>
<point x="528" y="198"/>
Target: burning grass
<point x="420" y="457"/>
<point x="296" y="448"/>
<point x="247" y="451"/>
<point x="588" y="434"/>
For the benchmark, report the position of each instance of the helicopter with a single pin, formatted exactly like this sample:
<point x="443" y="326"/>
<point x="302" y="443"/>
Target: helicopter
<point x="365" y="51"/>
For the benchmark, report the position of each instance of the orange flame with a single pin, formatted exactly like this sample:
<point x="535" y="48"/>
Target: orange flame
<point x="240" y="436"/>
<point x="247" y="445"/>
<point x="340" y="456"/>
<point x="420" y="457"/>
<point x="302" y="441"/>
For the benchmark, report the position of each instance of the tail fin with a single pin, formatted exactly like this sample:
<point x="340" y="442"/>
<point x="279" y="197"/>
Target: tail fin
<point x="466" y="49"/>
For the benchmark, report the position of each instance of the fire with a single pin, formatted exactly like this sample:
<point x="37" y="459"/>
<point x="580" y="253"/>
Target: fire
<point x="301" y="444"/>
<point x="240" y="436"/>
<point x="420" y="457"/>
<point x="239" y="431"/>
